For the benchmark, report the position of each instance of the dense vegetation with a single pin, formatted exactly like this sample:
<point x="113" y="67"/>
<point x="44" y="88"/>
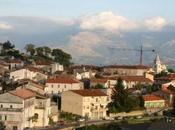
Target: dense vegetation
<point x="41" y="53"/>
<point x="122" y="101"/>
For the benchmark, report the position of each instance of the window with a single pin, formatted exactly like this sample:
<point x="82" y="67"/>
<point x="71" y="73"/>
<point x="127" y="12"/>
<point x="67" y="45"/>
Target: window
<point x="11" y="106"/>
<point x="96" y="99"/>
<point x="58" y="86"/>
<point x="1" y="106"/>
<point x="5" y="117"/>
<point x="0" y="117"/>
<point x="15" y="128"/>
<point x="64" y="86"/>
<point x="52" y="85"/>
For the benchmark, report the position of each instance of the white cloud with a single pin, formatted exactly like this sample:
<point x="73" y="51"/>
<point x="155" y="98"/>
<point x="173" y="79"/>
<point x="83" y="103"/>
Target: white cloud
<point x="106" y="21"/>
<point x="5" y="26"/>
<point x="155" y="24"/>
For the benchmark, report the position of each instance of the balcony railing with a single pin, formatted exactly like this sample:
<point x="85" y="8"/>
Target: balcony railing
<point x="12" y="109"/>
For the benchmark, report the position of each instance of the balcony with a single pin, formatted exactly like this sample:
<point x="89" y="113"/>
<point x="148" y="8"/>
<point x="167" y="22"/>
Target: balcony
<point x="12" y="109"/>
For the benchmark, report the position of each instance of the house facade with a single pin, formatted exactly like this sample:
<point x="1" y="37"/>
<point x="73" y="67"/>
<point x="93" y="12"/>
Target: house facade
<point x="61" y="84"/>
<point x="132" y="70"/>
<point x="91" y="103"/>
<point x="16" y="109"/>
<point x="153" y="103"/>
<point x="28" y="73"/>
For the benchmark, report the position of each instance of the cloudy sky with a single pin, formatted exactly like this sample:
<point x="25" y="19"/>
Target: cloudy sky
<point x="93" y="31"/>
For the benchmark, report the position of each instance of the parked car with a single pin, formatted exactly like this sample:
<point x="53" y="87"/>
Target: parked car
<point x="120" y="118"/>
<point x="81" y="119"/>
<point x="139" y="117"/>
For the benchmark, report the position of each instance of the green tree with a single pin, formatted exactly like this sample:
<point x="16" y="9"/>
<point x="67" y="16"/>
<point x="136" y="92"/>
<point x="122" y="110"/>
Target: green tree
<point x="40" y="51"/>
<point x="30" y="48"/>
<point x="8" y="45"/>
<point x="141" y="103"/>
<point x="170" y="70"/>
<point x="120" y="99"/>
<point x="171" y="87"/>
<point x="61" y="57"/>
<point x="161" y="74"/>
<point x="46" y="50"/>
<point x="98" y="86"/>
<point x="15" y="53"/>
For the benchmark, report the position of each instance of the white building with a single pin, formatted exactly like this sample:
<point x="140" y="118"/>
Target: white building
<point x="23" y="108"/>
<point x="16" y="109"/>
<point x="61" y="84"/>
<point x="56" y="67"/>
<point x="15" y="63"/>
<point x="91" y="103"/>
<point x="158" y="66"/>
<point x="28" y="73"/>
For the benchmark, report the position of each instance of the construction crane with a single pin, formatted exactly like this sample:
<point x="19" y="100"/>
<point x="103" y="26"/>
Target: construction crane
<point x="141" y="50"/>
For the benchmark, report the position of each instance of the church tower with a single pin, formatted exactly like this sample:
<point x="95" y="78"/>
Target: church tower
<point x="158" y="67"/>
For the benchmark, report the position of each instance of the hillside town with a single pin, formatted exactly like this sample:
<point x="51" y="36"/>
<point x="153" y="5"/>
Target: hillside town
<point x="41" y="89"/>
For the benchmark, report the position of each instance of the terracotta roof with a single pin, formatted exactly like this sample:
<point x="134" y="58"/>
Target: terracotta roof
<point x="15" y="61"/>
<point x="23" y="93"/>
<point x="131" y="78"/>
<point x="65" y="80"/>
<point x="89" y="92"/>
<point x="128" y="66"/>
<point x="84" y="66"/>
<point x="168" y="91"/>
<point x="102" y="80"/>
<point x="151" y="97"/>
<point x="136" y="78"/>
<point x="168" y="77"/>
<point x="34" y="69"/>
<point x="42" y="63"/>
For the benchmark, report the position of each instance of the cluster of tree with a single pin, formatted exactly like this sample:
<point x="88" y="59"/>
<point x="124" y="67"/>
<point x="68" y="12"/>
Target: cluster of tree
<point x="171" y="87"/>
<point x="111" y="126"/>
<point x="161" y="74"/>
<point x="37" y="53"/>
<point x="98" y="86"/>
<point x="46" y="53"/>
<point x="122" y="101"/>
<point x="9" y="50"/>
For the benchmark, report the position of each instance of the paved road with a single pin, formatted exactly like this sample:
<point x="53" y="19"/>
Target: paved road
<point x="56" y="127"/>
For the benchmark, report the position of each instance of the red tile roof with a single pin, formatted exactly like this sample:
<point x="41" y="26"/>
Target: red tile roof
<point x="136" y="78"/>
<point x="151" y="97"/>
<point x="15" y="61"/>
<point x="128" y="66"/>
<point x="65" y="80"/>
<point x="42" y="63"/>
<point x="89" y="92"/>
<point x="102" y="80"/>
<point x="169" y="77"/>
<point x="23" y="93"/>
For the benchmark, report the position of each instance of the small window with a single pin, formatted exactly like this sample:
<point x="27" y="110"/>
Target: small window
<point x="11" y="106"/>
<point x="64" y="86"/>
<point x="15" y="128"/>
<point x="1" y="106"/>
<point x="58" y="86"/>
<point x="52" y="85"/>
<point x="0" y="117"/>
<point x="5" y="117"/>
<point x="96" y="99"/>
